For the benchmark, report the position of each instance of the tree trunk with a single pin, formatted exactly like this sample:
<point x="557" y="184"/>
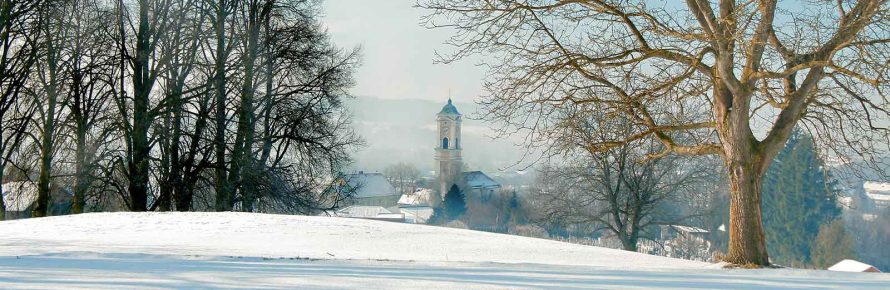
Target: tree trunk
<point x="242" y="157"/>
<point x="80" y="154"/>
<point x="139" y="162"/>
<point x="46" y="145"/>
<point x="2" y="203"/>
<point x="223" y="191"/>
<point x="747" y="242"/>
<point x="629" y="242"/>
<point x="80" y="172"/>
<point x="175" y="176"/>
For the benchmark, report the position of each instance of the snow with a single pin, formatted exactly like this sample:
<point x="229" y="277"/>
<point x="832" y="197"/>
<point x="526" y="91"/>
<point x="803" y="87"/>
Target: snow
<point x="873" y="186"/>
<point x="879" y="191"/>
<point x="689" y="229"/>
<point x="362" y="211"/>
<point x="851" y="266"/>
<point x="421" y="196"/>
<point x="243" y="250"/>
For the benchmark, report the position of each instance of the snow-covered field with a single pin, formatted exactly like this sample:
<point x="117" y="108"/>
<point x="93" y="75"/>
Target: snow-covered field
<point x="240" y="250"/>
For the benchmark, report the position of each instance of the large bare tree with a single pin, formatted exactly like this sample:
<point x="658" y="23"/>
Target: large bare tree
<point x="614" y="191"/>
<point x="758" y="67"/>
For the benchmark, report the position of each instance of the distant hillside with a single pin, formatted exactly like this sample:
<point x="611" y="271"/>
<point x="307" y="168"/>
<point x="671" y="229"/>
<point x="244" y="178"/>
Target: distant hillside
<point x="405" y="131"/>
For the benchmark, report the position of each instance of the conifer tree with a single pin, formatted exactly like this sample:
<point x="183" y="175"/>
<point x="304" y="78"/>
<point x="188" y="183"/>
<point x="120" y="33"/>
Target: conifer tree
<point x="455" y="203"/>
<point x="798" y="197"/>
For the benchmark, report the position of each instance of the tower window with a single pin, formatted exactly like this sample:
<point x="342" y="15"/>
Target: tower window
<point x="445" y="143"/>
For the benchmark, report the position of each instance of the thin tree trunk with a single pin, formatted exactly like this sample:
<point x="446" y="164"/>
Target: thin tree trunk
<point x="165" y="189"/>
<point x="242" y="158"/>
<point x="223" y="190"/>
<point x="46" y="147"/>
<point x="2" y="203"/>
<point x="175" y="176"/>
<point x="80" y="174"/>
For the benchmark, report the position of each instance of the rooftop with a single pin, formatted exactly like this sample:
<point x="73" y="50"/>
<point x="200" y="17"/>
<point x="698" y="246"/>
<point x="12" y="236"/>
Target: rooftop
<point x="478" y="179"/>
<point x="852" y="266"/>
<point x="369" y="185"/>
<point x="449" y="109"/>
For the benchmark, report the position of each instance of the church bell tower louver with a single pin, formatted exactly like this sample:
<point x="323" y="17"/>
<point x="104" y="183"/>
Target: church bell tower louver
<point x="448" y="149"/>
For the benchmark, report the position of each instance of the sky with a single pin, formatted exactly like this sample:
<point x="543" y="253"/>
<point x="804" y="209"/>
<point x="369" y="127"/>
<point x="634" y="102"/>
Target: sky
<point x="398" y="52"/>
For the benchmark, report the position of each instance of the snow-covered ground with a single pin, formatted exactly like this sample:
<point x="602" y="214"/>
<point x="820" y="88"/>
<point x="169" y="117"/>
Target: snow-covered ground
<point x="239" y="250"/>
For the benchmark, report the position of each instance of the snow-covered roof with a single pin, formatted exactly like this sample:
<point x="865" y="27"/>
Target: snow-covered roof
<point x="876" y="187"/>
<point x="19" y="195"/>
<point x="362" y="211"/>
<point x="478" y="179"/>
<point x="852" y="266"/>
<point x="421" y="196"/>
<point x="689" y="229"/>
<point x="369" y="185"/>
<point x="877" y="191"/>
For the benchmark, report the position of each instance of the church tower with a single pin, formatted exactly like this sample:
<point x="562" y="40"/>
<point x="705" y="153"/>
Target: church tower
<point x="448" y="148"/>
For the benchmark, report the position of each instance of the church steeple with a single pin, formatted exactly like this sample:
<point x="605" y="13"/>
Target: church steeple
<point x="448" y="148"/>
<point x="449" y="109"/>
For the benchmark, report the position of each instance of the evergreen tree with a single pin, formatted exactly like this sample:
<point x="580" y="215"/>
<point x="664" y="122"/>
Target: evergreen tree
<point x="798" y="197"/>
<point x="438" y="217"/>
<point x="455" y="204"/>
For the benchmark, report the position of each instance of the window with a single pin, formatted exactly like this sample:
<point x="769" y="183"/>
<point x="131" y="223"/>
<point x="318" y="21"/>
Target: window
<point x="445" y="143"/>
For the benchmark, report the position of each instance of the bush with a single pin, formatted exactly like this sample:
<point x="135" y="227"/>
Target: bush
<point x="456" y="224"/>
<point x="528" y="231"/>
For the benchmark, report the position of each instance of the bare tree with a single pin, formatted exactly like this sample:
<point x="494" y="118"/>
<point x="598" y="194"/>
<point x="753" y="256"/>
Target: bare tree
<point x="91" y="68"/>
<point x="758" y="67"/>
<point x="174" y="104"/>
<point x="46" y="92"/>
<point x="18" y="24"/>
<point x="616" y="191"/>
<point x="151" y="25"/>
<point x="403" y="175"/>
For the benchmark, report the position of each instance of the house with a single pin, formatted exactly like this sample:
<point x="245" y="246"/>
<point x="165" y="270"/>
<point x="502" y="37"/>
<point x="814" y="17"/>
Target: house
<point x="878" y="193"/>
<point x="686" y="242"/>
<point x="19" y="198"/>
<point x="669" y="232"/>
<point x="853" y="266"/>
<point x="416" y="205"/>
<point x="477" y="184"/>
<point x="369" y="189"/>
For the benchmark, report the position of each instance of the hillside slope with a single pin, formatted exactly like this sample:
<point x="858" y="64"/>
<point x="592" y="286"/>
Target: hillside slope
<point x="241" y="250"/>
<point x="308" y="237"/>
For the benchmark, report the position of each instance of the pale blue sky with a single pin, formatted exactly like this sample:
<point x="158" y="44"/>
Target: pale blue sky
<point x="398" y="52"/>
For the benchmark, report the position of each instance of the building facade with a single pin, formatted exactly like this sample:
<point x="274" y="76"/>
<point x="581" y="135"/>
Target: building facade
<point x="448" y="150"/>
<point x="449" y="163"/>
